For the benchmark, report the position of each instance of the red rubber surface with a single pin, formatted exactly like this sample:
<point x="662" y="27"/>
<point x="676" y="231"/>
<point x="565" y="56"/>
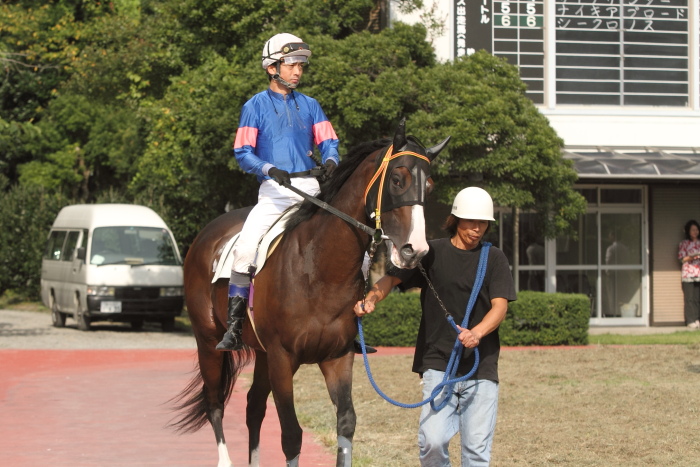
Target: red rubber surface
<point x="109" y="408"/>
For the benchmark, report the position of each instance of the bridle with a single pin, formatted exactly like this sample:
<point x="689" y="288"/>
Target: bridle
<point x="375" y="233"/>
<point x="380" y="175"/>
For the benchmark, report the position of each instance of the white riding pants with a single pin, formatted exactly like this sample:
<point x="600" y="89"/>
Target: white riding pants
<point x="273" y="200"/>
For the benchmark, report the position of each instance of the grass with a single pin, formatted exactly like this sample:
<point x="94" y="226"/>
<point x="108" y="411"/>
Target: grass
<point x="16" y="302"/>
<point x="676" y="338"/>
<point x="622" y="405"/>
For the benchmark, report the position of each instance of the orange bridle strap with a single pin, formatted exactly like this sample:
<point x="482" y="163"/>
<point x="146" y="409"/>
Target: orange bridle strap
<point x="382" y="171"/>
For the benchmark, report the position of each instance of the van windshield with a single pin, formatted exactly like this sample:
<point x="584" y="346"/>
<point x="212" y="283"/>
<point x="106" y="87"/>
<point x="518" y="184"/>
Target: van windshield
<point x="132" y="245"/>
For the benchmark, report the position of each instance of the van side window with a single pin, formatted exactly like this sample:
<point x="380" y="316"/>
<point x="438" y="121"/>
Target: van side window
<point x="68" y="252"/>
<point x="55" y="245"/>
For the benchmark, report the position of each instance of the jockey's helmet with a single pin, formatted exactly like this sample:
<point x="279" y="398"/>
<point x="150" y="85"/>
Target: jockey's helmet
<point x="285" y="47"/>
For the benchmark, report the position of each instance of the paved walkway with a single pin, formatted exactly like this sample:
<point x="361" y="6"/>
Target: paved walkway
<point x="109" y="408"/>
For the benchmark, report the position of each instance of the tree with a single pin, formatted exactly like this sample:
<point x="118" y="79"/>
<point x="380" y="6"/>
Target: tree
<point x="499" y="139"/>
<point x="26" y="215"/>
<point x="139" y="102"/>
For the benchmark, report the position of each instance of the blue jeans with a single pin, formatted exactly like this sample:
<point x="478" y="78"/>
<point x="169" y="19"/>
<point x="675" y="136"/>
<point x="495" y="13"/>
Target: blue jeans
<point x="471" y="411"/>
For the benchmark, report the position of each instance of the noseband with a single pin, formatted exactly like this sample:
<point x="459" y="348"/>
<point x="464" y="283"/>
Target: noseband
<point x="380" y="175"/>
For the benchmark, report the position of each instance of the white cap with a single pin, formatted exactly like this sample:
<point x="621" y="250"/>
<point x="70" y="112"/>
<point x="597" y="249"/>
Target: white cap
<point x="473" y="203"/>
<point x="282" y="46"/>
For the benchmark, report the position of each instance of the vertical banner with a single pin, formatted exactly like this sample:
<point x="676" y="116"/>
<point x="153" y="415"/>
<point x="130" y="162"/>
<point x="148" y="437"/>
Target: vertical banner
<point x="473" y="26"/>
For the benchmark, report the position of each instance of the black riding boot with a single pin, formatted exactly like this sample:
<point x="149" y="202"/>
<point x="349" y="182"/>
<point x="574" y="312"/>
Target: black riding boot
<point x="232" y="340"/>
<point x="358" y="347"/>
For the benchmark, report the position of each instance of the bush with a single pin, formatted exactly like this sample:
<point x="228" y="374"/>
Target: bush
<point x="539" y="318"/>
<point x="536" y="318"/>
<point x="26" y="216"/>
<point x="395" y="321"/>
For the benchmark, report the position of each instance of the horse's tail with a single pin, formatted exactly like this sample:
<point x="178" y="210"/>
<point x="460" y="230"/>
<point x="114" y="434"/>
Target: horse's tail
<point x="192" y="400"/>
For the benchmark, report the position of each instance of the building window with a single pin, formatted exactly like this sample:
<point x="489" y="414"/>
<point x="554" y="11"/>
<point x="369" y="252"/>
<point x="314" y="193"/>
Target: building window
<point x="604" y="260"/>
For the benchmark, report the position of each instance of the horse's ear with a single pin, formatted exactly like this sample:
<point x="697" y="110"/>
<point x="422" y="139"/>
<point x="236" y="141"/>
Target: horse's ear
<point x="400" y="135"/>
<point x="435" y="150"/>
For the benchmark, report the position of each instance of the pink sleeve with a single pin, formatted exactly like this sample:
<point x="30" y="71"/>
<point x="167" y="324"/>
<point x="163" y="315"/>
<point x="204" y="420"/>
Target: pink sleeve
<point x="323" y="131"/>
<point x="245" y="136"/>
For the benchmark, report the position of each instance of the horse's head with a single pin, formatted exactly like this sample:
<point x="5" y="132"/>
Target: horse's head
<point x="396" y="195"/>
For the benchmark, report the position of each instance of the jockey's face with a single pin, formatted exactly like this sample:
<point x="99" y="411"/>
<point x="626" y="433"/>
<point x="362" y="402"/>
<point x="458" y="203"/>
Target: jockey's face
<point x="289" y="72"/>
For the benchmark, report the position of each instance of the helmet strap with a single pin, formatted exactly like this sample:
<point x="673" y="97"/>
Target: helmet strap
<point x="279" y="79"/>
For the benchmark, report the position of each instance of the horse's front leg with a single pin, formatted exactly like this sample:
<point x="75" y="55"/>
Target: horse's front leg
<point x="338" y="375"/>
<point x="257" y="406"/>
<point x="281" y="369"/>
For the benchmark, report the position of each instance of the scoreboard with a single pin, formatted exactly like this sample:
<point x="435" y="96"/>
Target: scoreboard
<point x="606" y="52"/>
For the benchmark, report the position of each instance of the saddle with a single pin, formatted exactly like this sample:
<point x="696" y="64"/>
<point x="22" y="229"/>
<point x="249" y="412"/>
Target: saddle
<point x="224" y="261"/>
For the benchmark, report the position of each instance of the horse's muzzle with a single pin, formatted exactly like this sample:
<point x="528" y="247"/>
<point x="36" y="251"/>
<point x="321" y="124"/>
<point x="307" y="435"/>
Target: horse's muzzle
<point x="410" y="257"/>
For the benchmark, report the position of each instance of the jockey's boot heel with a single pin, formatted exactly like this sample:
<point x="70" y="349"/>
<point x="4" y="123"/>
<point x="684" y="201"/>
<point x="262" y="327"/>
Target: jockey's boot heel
<point x="357" y="347"/>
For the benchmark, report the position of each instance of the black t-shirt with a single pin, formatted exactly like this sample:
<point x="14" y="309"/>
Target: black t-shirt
<point x="452" y="272"/>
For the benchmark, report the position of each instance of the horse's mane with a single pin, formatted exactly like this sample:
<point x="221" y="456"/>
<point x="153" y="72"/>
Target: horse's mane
<point x="330" y="188"/>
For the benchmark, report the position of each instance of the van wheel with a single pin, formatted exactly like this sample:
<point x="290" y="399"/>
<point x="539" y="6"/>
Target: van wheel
<point x="137" y="325"/>
<point x="81" y="317"/>
<point x="57" y="318"/>
<point x="168" y="324"/>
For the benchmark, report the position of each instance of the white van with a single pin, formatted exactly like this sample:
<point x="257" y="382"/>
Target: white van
<point x="116" y="262"/>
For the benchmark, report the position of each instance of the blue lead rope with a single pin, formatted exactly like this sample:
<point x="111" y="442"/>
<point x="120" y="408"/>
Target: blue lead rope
<point x="449" y="379"/>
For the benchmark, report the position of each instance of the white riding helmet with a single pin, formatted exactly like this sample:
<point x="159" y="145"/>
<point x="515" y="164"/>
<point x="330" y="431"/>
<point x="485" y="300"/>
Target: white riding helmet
<point x="473" y="203"/>
<point x="287" y="47"/>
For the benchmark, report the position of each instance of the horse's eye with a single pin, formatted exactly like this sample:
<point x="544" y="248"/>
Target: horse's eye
<point x="396" y="180"/>
<point x="429" y="185"/>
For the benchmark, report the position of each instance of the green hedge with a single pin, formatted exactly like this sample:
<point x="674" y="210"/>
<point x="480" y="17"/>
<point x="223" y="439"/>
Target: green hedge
<point x="536" y="318"/>
<point x="395" y="321"/>
<point x="539" y="318"/>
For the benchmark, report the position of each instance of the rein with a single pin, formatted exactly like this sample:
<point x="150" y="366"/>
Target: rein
<point x="377" y="234"/>
<point x="449" y="379"/>
<point x="374" y="233"/>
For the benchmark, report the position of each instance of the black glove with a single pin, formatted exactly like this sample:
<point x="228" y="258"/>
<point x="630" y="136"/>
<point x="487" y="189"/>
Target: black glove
<point x="280" y="176"/>
<point x="330" y="166"/>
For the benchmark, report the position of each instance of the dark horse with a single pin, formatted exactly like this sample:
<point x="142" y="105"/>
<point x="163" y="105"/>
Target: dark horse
<point x="304" y="294"/>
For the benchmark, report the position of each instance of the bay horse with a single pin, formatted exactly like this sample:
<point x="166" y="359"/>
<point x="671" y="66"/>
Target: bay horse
<point x="304" y="295"/>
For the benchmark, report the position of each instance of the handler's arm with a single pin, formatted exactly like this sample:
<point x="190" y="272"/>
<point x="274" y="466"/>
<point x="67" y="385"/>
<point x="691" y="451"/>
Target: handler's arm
<point x="377" y="293"/>
<point x="470" y="338"/>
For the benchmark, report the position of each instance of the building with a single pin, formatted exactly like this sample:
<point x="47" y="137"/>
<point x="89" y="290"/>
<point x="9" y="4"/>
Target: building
<point x="619" y="80"/>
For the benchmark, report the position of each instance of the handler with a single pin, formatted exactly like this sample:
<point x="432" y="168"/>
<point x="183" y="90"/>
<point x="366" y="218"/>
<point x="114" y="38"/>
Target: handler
<point x="451" y="265"/>
<point x="277" y="132"/>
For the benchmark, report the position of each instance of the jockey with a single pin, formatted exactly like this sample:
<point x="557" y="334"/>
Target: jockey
<point x="276" y="136"/>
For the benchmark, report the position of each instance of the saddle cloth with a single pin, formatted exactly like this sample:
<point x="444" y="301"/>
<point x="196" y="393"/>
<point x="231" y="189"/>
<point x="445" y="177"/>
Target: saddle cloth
<point x="224" y="261"/>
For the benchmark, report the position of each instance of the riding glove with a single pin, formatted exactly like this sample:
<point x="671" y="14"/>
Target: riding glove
<point x="280" y="176"/>
<point x="329" y="167"/>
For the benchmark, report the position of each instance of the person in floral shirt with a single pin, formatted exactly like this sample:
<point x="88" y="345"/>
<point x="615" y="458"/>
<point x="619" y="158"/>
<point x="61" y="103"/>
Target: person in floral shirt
<point x="689" y="255"/>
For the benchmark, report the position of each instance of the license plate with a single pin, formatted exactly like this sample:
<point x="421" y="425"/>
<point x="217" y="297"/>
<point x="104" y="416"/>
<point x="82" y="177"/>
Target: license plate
<point x="110" y="307"/>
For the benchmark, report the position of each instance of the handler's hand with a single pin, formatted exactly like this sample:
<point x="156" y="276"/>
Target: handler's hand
<point x="467" y="338"/>
<point x="363" y="307"/>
